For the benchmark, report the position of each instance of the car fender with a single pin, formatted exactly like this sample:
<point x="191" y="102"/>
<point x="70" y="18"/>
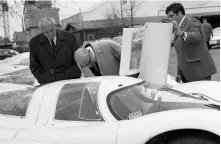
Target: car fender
<point x="142" y="129"/>
<point x="21" y="141"/>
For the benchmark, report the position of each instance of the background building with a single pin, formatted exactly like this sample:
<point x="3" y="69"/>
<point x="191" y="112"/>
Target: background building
<point x="33" y="12"/>
<point x="94" y="22"/>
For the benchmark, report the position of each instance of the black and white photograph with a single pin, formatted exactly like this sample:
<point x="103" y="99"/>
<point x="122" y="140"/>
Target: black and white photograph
<point x="109" y="72"/>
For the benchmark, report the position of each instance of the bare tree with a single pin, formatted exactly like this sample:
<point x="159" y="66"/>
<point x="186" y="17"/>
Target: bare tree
<point x="113" y="17"/>
<point x="130" y="11"/>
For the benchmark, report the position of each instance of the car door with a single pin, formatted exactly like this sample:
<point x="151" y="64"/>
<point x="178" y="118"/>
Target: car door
<point x="74" y="117"/>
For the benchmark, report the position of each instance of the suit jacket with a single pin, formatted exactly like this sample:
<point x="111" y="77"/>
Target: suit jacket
<point x="48" y="67"/>
<point x="107" y="53"/>
<point x="194" y="59"/>
<point x="207" y="31"/>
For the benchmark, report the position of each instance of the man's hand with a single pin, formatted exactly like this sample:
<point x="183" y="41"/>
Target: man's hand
<point x="177" y="29"/>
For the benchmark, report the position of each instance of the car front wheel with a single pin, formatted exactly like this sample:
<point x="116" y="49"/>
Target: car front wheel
<point x="194" y="139"/>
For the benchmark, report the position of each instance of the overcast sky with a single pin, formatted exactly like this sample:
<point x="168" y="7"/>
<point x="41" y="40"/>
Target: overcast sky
<point x="67" y="8"/>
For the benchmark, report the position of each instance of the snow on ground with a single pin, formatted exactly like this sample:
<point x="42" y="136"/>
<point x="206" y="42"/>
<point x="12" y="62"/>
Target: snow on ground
<point x="6" y="87"/>
<point x="10" y="64"/>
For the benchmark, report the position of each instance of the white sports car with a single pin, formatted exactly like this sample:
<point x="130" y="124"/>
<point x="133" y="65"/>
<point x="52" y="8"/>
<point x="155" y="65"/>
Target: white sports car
<point x="111" y="110"/>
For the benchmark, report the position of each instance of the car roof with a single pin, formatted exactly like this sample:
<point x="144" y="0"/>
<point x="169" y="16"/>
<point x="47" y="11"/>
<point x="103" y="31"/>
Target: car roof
<point x="117" y="79"/>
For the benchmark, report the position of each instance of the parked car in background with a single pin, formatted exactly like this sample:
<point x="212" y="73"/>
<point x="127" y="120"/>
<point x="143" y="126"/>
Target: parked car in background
<point x="21" y="48"/>
<point x="215" y="40"/>
<point x="4" y="53"/>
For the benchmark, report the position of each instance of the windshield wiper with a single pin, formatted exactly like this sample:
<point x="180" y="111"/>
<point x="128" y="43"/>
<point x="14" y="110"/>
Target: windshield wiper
<point x="204" y="96"/>
<point x="213" y="106"/>
<point x="197" y="95"/>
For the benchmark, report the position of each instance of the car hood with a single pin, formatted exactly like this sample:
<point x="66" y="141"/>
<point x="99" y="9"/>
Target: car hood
<point x="202" y="95"/>
<point x="207" y="88"/>
<point x="173" y="100"/>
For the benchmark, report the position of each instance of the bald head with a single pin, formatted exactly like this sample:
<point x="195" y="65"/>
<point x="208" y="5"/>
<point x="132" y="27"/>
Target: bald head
<point x="82" y="56"/>
<point x="47" y="27"/>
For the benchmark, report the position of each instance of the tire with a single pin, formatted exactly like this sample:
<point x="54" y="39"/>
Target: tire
<point x="194" y="139"/>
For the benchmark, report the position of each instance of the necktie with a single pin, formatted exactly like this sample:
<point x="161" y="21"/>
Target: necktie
<point x="95" y="70"/>
<point x="53" y="46"/>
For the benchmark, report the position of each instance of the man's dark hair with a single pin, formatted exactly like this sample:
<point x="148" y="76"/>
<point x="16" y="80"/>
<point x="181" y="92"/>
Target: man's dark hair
<point x="175" y="8"/>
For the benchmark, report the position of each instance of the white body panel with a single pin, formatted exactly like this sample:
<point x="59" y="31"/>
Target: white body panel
<point x="20" y="141"/>
<point x="95" y="133"/>
<point x="149" y="126"/>
<point x="209" y="88"/>
<point x="39" y="123"/>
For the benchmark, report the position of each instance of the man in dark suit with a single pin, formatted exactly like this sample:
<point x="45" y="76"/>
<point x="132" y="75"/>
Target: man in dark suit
<point x="194" y="60"/>
<point x="99" y="58"/>
<point x="208" y="31"/>
<point x="52" y="54"/>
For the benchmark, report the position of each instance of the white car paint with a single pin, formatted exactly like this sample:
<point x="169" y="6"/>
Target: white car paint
<point x="215" y="40"/>
<point x="130" y="132"/>
<point x="21" y="141"/>
<point x="39" y="123"/>
<point x="209" y="88"/>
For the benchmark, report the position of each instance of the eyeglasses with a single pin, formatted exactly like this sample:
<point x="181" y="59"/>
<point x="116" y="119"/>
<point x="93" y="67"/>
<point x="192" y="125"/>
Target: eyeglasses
<point x="90" y="62"/>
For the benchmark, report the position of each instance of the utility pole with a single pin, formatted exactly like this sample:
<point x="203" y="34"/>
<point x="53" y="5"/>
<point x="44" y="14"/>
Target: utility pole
<point x="4" y="11"/>
<point x="82" y="22"/>
<point x="121" y="12"/>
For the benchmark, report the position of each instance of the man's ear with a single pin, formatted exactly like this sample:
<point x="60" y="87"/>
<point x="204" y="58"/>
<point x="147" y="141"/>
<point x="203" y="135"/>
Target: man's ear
<point x="179" y="13"/>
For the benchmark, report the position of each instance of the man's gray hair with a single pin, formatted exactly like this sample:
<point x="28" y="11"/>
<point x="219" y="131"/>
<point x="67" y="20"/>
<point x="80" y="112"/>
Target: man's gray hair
<point x="46" y="20"/>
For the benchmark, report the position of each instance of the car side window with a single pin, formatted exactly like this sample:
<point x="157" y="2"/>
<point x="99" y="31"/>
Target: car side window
<point x="15" y="103"/>
<point x="78" y="102"/>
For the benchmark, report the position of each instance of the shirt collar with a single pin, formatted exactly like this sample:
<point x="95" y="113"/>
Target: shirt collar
<point x="91" y="50"/>
<point x="182" y="21"/>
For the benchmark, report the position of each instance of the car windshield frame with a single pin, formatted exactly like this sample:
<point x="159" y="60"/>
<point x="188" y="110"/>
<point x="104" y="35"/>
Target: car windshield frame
<point x="115" y="91"/>
<point x="95" y="98"/>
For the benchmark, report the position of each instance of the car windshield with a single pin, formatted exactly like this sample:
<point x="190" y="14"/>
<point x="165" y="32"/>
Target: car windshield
<point x="15" y="102"/>
<point x="138" y="100"/>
